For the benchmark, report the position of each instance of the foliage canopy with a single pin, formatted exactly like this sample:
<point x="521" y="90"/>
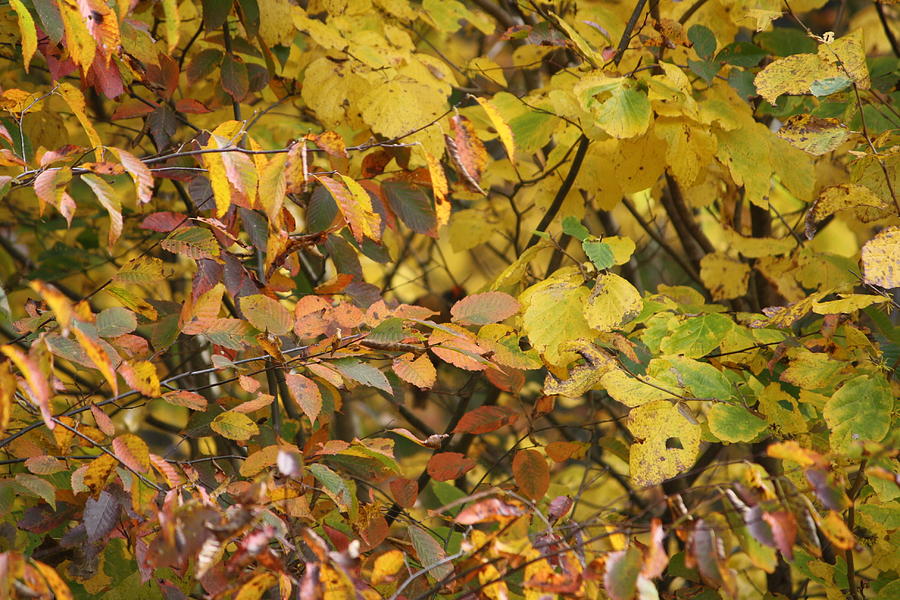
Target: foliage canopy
<point x="441" y="299"/>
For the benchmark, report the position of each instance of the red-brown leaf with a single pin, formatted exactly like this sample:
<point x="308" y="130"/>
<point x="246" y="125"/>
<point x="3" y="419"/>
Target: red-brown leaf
<point x="485" y="419"/>
<point x="446" y="466"/>
<point x="531" y="473"/>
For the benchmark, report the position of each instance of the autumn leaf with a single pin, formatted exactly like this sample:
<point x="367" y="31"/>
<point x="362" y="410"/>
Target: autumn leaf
<point x="446" y="466"/>
<point x="531" y="473"/>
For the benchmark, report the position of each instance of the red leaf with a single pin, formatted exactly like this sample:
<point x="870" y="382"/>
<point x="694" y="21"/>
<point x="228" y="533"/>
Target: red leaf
<point x="531" y="473"/>
<point x="492" y="509"/>
<point x="482" y="309"/>
<point x="485" y="419"/>
<point x="191" y="106"/>
<point x="446" y="466"/>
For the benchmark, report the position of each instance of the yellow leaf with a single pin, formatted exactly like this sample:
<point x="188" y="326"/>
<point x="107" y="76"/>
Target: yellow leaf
<point x="60" y="590"/>
<point x="880" y="262"/>
<point x="141" y="376"/>
<point x="173" y="23"/>
<point x="689" y="149"/>
<point x="98" y="473"/>
<point x="28" y="31"/>
<point x="145" y="269"/>
<point x="666" y="443"/>
<point x="439" y="187"/>
<point x="752" y="247"/>
<point x="813" y="134"/>
<point x="793" y="75"/>
<point x="99" y="357"/>
<point x="400" y="106"/>
<point x="37" y="383"/>
<point x="218" y="176"/>
<point x="58" y="303"/>
<point x="848" y="304"/>
<point x="7" y="393"/>
<point x="272" y="187"/>
<point x="633" y="391"/>
<point x="276" y="24"/>
<point x="612" y="303"/>
<point x="79" y="42"/>
<point x="470" y="228"/>
<point x="386" y="565"/>
<point x="336" y="585"/>
<point x="234" y="426"/>
<point x="724" y="276"/>
<point x="256" y="586"/>
<point x="834" y="198"/>
<point x="370" y="221"/>
<point x="75" y="99"/>
<point x="847" y="54"/>
<point x="500" y="126"/>
<point x="108" y="198"/>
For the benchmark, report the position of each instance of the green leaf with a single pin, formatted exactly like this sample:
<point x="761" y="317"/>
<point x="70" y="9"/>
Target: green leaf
<point x="622" y="571"/>
<point x="573" y="227"/>
<point x="829" y="85"/>
<point x="599" y="253"/>
<point x="859" y="411"/>
<point x="784" y="41"/>
<point x="336" y="487"/>
<point x="625" y="114"/>
<point x="731" y="423"/>
<point x="363" y="373"/>
<point x="698" y="336"/>
<point x="741" y="54"/>
<point x="234" y="426"/>
<point x="705" y="69"/>
<point x="430" y="553"/>
<point x="115" y="321"/>
<point x="703" y="39"/>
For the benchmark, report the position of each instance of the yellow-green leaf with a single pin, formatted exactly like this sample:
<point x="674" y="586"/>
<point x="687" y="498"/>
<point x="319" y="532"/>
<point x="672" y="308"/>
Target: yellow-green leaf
<point x="108" y="198"/>
<point x="612" y="303"/>
<point x="267" y="314"/>
<point x="881" y="266"/>
<point x="234" y="426"/>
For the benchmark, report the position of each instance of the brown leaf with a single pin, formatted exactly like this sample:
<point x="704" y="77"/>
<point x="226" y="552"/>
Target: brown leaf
<point x="446" y="466"/>
<point x="492" y="509"/>
<point x="485" y="419"/>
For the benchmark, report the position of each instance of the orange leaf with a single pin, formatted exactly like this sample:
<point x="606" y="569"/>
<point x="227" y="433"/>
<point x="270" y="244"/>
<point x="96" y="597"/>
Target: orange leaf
<point x="141" y="376"/>
<point x="446" y="466"/>
<point x="98" y="473"/>
<point x="563" y="451"/>
<point x="531" y="473"/>
<point x="331" y="142"/>
<point x="306" y="394"/>
<point x="482" y="309"/>
<point x="104" y="423"/>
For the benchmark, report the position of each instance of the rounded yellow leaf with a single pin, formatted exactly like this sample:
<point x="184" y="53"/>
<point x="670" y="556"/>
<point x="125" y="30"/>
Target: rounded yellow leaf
<point x="612" y="303"/>
<point x="881" y="259"/>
